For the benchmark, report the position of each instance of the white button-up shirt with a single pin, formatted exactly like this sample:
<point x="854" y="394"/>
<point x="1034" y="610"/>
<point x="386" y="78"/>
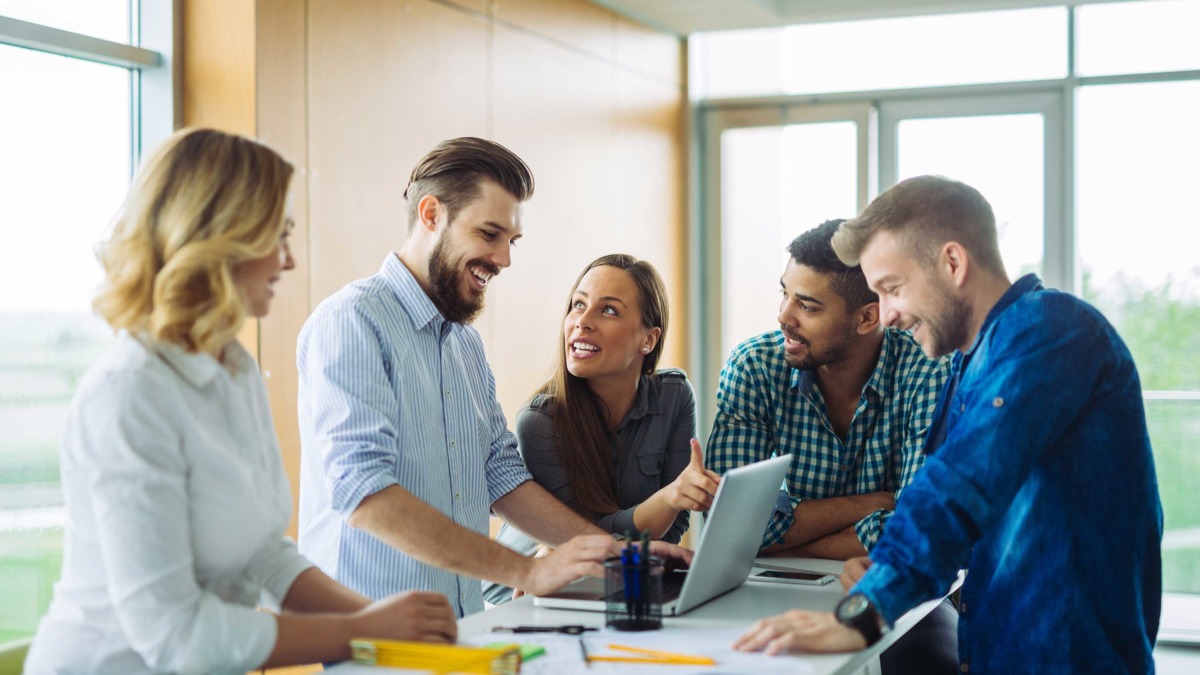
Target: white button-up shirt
<point x="177" y="502"/>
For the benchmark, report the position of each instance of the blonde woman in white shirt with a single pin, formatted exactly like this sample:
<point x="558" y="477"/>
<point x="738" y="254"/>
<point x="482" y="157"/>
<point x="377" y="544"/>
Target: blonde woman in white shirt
<point x="176" y="495"/>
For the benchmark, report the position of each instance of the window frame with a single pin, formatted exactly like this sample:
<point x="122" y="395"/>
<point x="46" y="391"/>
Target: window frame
<point x="1055" y="99"/>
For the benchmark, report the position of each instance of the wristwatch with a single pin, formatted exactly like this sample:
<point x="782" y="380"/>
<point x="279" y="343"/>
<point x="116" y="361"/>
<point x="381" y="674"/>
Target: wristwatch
<point x="856" y="611"/>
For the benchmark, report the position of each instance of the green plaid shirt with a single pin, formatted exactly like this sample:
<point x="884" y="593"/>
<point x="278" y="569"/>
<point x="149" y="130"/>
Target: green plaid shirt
<point x="767" y="408"/>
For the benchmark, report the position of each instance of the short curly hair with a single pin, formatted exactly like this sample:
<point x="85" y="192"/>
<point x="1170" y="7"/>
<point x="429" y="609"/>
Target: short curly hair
<point x="813" y="249"/>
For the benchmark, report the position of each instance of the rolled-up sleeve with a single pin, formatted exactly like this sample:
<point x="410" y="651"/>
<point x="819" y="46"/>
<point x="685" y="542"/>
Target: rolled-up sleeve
<point x="341" y="358"/>
<point x="136" y="474"/>
<point x="505" y="468"/>
<point x="274" y="570"/>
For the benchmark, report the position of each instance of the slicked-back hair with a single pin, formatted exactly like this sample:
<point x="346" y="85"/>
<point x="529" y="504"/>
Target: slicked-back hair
<point x="453" y="170"/>
<point x="925" y="213"/>
<point x="813" y="249"/>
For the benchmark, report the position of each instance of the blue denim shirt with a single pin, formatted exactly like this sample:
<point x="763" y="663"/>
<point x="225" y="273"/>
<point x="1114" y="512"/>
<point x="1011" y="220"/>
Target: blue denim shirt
<point x="1041" y="482"/>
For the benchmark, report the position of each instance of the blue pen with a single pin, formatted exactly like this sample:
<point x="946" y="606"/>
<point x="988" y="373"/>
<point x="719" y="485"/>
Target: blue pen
<point x="627" y="573"/>
<point x="637" y="583"/>
<point x="644" y="575"/>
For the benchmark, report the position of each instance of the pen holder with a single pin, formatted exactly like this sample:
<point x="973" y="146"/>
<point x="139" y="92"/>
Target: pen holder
<point x="633" y="594"/>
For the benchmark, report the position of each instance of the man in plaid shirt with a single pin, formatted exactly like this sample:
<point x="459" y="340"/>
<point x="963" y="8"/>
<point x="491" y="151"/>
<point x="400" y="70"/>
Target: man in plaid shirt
<point x="851" y="401"/>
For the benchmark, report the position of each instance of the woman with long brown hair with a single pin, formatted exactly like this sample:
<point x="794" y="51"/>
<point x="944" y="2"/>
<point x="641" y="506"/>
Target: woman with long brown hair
<point x="608" y="434"/>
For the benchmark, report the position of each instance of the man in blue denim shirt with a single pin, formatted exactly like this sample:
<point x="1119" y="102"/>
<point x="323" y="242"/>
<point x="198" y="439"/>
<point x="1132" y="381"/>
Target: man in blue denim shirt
<point x="1040" y="478"/>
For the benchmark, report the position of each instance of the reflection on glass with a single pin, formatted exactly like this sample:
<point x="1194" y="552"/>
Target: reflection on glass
<point x="1002" y="156"/>
<point x="925" y="51"/>
<point x="66" y="166"/>
<point x="776" y="182"/>
<point x="1136" y="173"/>
<point x="106" y="19"/>
<point x="1137" y="37"/>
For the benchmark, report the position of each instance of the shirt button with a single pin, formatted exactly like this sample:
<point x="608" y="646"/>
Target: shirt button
<point x="962" y="407"/>
<point x="964" y="667"/>
<point x="447" y="392"/>
<point x="458" y="495"/>
<point x="997" y="402"/>
<point x="452" y="444"/>
<point x="962" y="608"/>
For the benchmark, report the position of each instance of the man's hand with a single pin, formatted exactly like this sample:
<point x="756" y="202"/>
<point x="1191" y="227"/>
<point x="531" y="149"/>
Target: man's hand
<point x="694" y="488"/>
<point x="580" y="557"/>
<point x="800" y="631"/>
<point x="674" y="556"/>
<point x="417" y="616"/>
<point x="854" y="570"/>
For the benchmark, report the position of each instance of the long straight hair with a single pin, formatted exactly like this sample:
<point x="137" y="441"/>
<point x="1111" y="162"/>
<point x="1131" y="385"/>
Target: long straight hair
<point x="582" y="434"/>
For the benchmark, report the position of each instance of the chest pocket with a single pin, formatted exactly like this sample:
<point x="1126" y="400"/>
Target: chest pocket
<point x="652" y="465"/>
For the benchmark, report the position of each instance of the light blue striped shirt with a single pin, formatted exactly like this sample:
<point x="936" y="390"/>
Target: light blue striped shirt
<point x="391" y="393"/>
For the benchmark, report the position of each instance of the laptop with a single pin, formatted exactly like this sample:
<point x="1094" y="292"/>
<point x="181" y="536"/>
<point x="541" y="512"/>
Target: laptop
<point x="732" y="535"/>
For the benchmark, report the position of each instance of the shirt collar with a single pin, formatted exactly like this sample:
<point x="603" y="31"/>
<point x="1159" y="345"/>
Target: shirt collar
<point x="199" y="369"/>
<point x="1026" y="284"/>
<point x="645" y="403"/>
<point x="412" y="297"/>
<point x="804" y="381"/>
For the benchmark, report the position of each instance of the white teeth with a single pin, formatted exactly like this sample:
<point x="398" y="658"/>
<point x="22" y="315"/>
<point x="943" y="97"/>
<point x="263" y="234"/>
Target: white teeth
<point x="584" y="347"/>
<point x="480" y="275"/>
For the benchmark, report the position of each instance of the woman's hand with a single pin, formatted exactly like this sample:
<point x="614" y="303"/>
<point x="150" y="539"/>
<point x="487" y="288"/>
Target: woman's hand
<point x="416" y="615"/>
<point x="694" y="488"/>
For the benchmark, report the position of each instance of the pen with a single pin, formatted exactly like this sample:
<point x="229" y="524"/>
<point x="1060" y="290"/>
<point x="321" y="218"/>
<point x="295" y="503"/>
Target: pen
<point x="573" y="629"/>
<point x="587" y="662"/>
<point x="644" y="576"/>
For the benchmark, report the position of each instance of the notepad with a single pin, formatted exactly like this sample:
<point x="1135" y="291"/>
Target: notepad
<point x="503" y="660"/>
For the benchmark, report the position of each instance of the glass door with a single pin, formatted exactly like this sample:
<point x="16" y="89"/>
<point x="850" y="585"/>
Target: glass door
<point x="777" y="174"/>
<point x="1008" y="147"/>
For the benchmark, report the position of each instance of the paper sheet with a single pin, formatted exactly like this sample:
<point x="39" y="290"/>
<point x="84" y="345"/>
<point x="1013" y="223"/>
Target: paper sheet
<point x="563" y="655"/>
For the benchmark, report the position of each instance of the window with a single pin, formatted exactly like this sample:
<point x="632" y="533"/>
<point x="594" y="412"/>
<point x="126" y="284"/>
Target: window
<point x="1133" y="221"/>
<point x="883" y="54"/>
<point x="1090" y="172"/>
<point x="68" y="129"/>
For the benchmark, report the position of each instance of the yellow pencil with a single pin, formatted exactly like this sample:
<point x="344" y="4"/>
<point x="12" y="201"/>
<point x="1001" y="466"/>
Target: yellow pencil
<point x="653" y="656"/>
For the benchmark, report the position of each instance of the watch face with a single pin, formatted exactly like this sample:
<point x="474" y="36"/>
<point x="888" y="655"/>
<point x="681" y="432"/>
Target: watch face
<point x="853" y="606"/>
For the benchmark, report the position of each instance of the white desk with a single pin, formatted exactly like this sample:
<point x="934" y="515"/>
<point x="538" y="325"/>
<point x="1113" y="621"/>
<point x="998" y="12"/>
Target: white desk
<point x="736" y="609"/>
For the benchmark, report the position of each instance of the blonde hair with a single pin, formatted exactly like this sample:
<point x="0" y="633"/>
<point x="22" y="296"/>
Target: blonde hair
<point x="925" y="212"/>
<point x="203" y="202"/>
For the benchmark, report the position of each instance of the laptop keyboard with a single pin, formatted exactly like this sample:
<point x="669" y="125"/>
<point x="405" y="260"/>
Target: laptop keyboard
<point x="672" y="585"/>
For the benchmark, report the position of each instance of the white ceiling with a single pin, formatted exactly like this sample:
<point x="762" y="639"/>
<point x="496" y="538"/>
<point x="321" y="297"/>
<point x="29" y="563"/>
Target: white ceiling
<point x="690" y="16"/>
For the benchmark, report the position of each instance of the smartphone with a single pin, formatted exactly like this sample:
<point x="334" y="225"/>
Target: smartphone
<point x="797" y="577"/>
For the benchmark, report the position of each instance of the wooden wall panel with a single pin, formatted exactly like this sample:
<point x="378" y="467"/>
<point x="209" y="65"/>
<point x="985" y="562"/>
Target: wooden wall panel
<point x="354" y="93"/>
<point x="281" y="77"/>
<point x="218" y="79"/>
<point x="554" y="107"/>
<point x="650" y="191"/>
<point x="387" y="81"/>
<point x="218" y="65"/>
<point x="648" y="52"/>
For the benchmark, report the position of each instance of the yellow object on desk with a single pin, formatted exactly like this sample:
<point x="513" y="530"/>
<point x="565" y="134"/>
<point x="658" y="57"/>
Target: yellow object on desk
<point x="504" y="660"/>
<point x="650" y="656"/>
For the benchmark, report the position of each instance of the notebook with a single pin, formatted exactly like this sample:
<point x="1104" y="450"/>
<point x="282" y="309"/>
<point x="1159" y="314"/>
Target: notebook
<point x="732" y="535"/>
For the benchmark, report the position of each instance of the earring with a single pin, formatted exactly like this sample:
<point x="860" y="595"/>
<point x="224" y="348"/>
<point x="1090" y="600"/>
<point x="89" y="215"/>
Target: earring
<point x="645" y="350"/>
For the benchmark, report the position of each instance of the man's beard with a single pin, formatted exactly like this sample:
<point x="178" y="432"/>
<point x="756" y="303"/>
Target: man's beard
<point x="948" y="325"/>
<point x="812" y="360"/>
<point x="445" y="286"/>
